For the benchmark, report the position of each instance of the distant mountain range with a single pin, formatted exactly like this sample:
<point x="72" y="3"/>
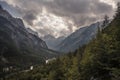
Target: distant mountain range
<point x="18" y="45"/>
<point x="79" y="38"/>
<point x="75" y="40"/>
<point x="52" y="42"/>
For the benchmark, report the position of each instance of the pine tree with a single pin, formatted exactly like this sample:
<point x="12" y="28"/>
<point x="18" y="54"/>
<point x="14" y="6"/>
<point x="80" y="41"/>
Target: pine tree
<point x="118" y="11"/>
<point x="106" y="21"/>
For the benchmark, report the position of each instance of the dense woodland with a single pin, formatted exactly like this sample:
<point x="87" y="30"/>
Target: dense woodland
<point x="98" y="60"/>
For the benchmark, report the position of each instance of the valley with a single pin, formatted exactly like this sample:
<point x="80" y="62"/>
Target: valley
<point x="36" y="53"/>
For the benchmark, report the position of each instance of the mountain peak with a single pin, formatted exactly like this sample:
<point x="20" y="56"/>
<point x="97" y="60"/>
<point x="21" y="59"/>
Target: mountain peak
<point x="1" y="7"/>
<point x="4" y="13"/>
<point x="49" y="37"/>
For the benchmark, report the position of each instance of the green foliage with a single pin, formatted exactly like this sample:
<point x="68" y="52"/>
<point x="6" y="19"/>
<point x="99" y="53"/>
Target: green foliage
<point x="117" y="16"/>
<point x="103" y="54"/>
<point x="106" y="21"/>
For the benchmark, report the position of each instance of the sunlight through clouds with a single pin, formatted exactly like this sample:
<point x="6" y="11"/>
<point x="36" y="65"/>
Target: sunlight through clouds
<point x="52" y="22"/>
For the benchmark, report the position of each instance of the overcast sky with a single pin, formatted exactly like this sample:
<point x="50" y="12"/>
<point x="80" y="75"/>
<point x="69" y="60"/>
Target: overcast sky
<point x="59" y="17"/>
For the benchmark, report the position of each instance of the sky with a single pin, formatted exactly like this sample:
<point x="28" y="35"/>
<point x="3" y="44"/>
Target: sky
<point x="59" y="17"/>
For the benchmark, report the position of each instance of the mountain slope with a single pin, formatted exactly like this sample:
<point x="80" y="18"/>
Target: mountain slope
<point x="17" y="45"/>
<point x="79" y="38"/>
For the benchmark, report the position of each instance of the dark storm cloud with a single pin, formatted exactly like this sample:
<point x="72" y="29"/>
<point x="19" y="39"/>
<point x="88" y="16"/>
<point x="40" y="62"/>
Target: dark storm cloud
<point x="81" y="12"/>
<point x="26" y="9"/>
<point x="73" y="6"/>
<point x="30" y="17"/>
<point x="65" y="8"/>
<point x="100" y="7"/>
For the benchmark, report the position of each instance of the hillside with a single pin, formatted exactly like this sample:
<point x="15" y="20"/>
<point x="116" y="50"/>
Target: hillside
<point x="19" y="47"/>
<point x="79" y="38"/>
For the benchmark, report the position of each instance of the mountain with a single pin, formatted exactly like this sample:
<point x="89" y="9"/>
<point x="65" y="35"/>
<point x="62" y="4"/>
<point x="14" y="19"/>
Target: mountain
<point x="79" y="38"/>
<point x="32" y="32"/>
<point x="18" y="46"/>
<point x="98" y="60"/>
<point x="52" y="42"/>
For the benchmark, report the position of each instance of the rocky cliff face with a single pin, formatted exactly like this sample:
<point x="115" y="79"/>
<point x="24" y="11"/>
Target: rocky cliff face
<point x="18" y="33"/>
<point x="18" y="45"/>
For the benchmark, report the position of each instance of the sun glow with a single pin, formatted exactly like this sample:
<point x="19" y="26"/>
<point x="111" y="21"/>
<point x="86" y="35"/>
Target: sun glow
<point x="56" y="24"/>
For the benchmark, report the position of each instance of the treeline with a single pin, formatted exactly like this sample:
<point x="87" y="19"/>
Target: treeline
<point x="98" y="60"/>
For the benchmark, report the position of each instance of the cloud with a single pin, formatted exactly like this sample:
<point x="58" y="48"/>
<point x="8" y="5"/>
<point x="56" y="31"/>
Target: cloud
<point x="30" y="17"/>
<point x="80" y="11"/>
<point x="74" y="13"/>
